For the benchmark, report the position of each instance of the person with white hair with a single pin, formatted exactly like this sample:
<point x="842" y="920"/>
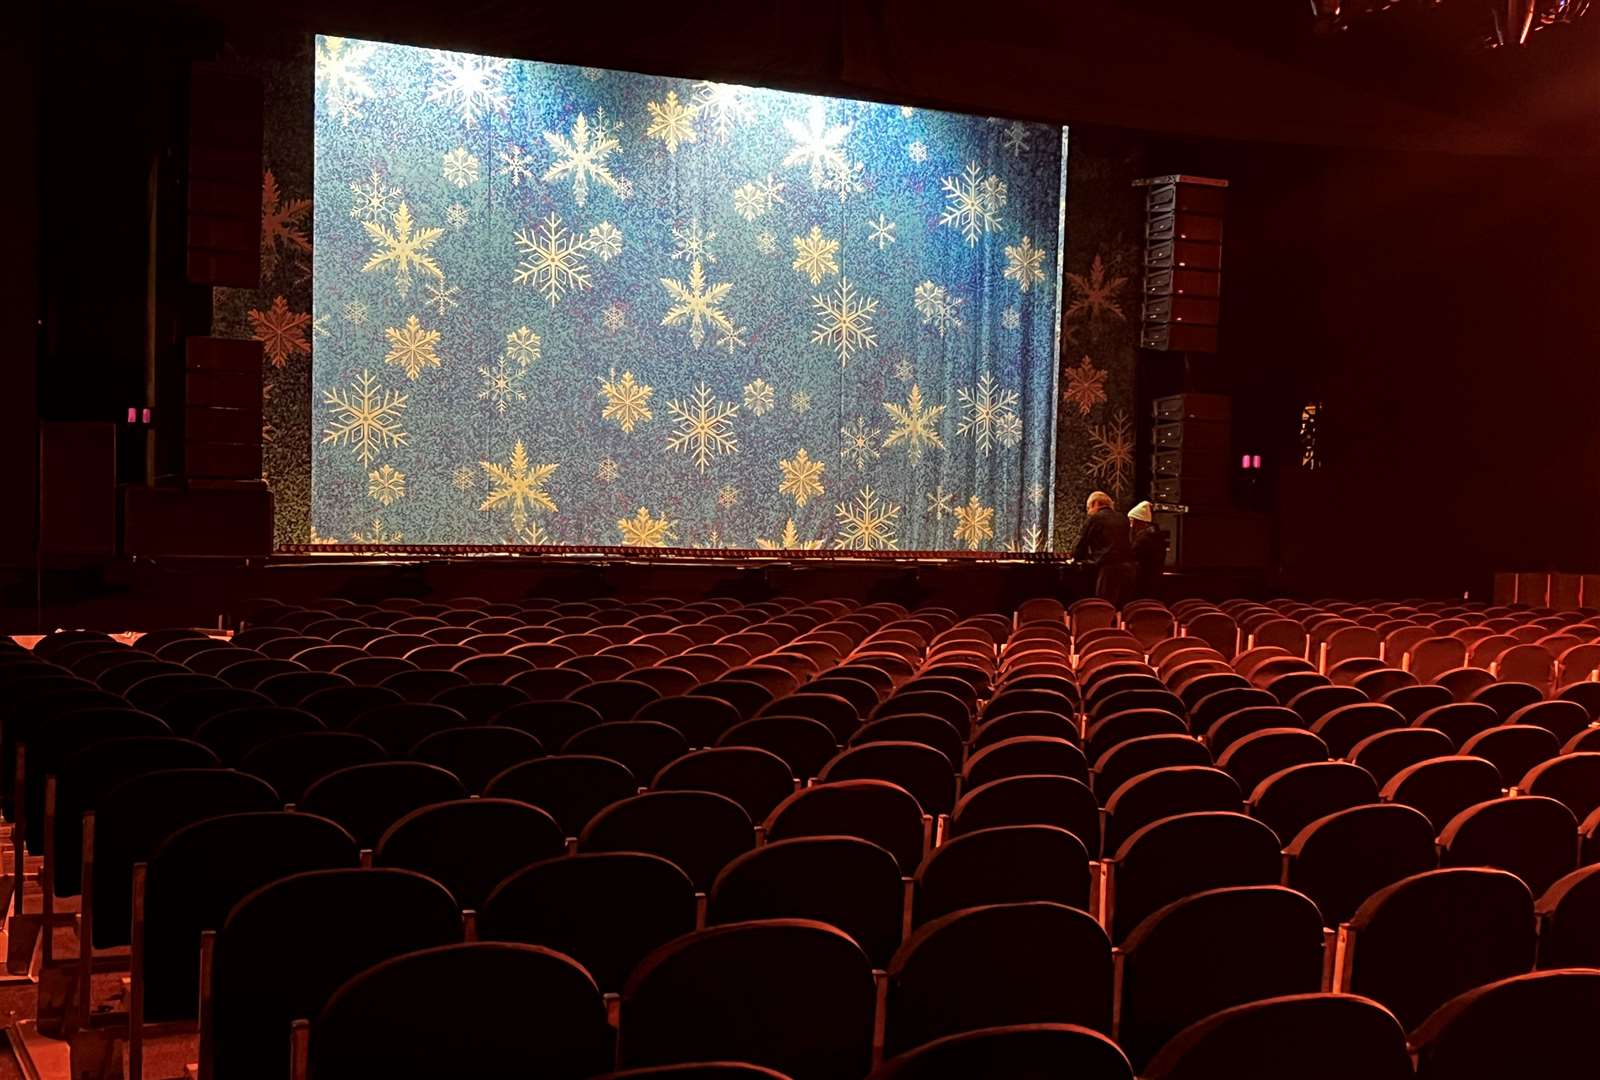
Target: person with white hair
<point x="1103" y="546"/>
<point x="1149" y="548"/>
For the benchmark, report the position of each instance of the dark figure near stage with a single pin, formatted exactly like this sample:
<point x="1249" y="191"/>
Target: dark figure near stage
<point x="1103" y="545"/>
<point x="1149" y="549"/>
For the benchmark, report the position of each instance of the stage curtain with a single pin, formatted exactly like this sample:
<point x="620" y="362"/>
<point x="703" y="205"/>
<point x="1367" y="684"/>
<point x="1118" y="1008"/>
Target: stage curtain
<point x="577" y="306"/>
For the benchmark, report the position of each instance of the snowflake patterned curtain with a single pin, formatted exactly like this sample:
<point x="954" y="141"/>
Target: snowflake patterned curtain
<point x="585" y="307"/>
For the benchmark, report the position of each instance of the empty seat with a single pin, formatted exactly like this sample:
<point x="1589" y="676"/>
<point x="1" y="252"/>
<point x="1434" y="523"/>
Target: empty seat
<point x="1185" y="854"/>
<point x="1341" y="728"/>
<point x="470" y="845"/>
<point x="644" y="746"/>
<point x="1241" y="723"/>
<point x="551" y="722"/>
<point x="804" y="744"/>
<point x="843" y="881"/>
<point x="480" y="702"/>
<point x="367" y="799"/>
<point x="1460" y="720"/>
<point x="1209" y="951"/>
<point x="1125" y="760"/>
<point x="1260" y="754"/>
<point x="1028" y="722"/>
<point x="875" y="810"/>
<point x="573" y="788"/>
<point x="1290" y="800"/>
<point x="1305" y="1036"/>
<point x="1119" y="727"/>
<point x="755" y="779"/>
<point x="1505" y="698"/>
<point x="1532" y="836"/>
<point x="1569" y="921"/>
<point x="701" y="720"/>
<point x="1412" y="701"/>
<point x="1341" y="859"/>
<point x="607" y="910"/>
<point x="399" y="727"/>
<point x="700" y="831"/>
<point x="1013" y="1052"/>
<point x="1572" y="779"/>
<point x="477" y="754"/>
<point x="1023" y="755"/>
<point x="1029" y="800"/>
<point x="1538" y="1024"/>
<point x="803" y="994"/>
<point x="1387" y="752"/>
<point x="922" y="728"/>
<point x="1564" y="718"/>
<point x="291" y="763"/>
<point x="338" y="706"/>
<point x="1161" y="793"/>
<point x="1513" y="748"/>
<point x="1006" y="864"/>
<point x="233" y="734"/>
<point x="1417" y="943"/>
<point x="1443" y="787"/>
<point x="616" y="699"/>
<point x="1034" y="962"/>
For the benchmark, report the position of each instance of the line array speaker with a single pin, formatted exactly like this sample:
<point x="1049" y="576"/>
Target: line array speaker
<point x="1183" y="263"/>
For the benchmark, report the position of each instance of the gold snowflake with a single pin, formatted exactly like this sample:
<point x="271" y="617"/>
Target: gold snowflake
<point x="608" y="470"/>
<point x="522" y="345"/>
<point x="881" y="232"/>
<point x="500" y="387"/>
<point x="582" y="156"/>
<point x="802" y="477"/>
<point x="627" y="401"/>
<point x="463" y="479"/>
<point x="460" y="167"/>
<point x="1024" y="264"/>
<point x="356" y="312"/>
<point x="644" y="530"/>
<point x="868" y="523"/>
<point x="370" y="201"/>
<point x="844" y="321"/>
<point x="789" y="541"/>
<point x="974" y="523"/>
<point x="279" y="223"/>
<point x="552" y="261"/>
<point x="412" y="347"/>
<point x="282" y="332"/>
<point x="989" y="412"/>
<point x="813" y="255"/>
<point x="1086" y="386"/>
<point x="671" y="121"/>
<point x="800" y="401"/>
<point x="728" y="496"/>
<point x="704" y="428"/>
<point x="1095" y="295"/>
<point x="386" y="484"/>
<point x="367" y="418"/>
<point x="697" y="304"/>
<point x="517" y="484"/>
<point x="915" y="425"/>
<point x="1111" y="454"/>
<point x="403" y="248"/>
<point x="758" y="397"/>
<point x="1028" y="543"/>
<point x="376" y="535"/>
<point x="533" y="533"/>
<point x="724" y="105"/>
<point x="858" y="443"/>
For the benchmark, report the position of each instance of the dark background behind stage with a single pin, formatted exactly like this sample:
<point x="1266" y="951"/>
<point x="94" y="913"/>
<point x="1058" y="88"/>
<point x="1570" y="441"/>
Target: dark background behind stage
<point x="1439" y="303"/>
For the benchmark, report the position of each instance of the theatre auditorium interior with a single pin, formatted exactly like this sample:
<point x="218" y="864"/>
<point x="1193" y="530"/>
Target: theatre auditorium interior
<point x="766" y="540"/>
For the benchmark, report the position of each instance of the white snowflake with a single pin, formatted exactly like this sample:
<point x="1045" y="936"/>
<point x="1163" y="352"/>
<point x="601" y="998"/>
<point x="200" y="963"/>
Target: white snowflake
<point x="758" y="397"/>
<point x="584" y="156"/>
<point x="844" y="321"/>
<point x="344" y="85"/>
<point x="766" y="243"/>
<point x="858" y="443"/>
<point x="844" y="182"/>
<point x="939" y="503"/>
<point x="468" y="84"/>
<point x="881" y="232"/>
<point x="608" y="470"/>
<point x="1016" y="137"/>
<point x="728" y="496"/>
<point x="690" y="243"/>
<point x="757" y="197"/>
<point x="724" y="105"/>
<point x="1024" y="264"/>
<point x="356" y="313"/>
<point x="904" y="370"/>
<point x="593" y="74"/>
<point x="704" y="428"/>
<point x="319" y="326"/>
<point x="442" y="297"/>
<point x="552" y="262"/>
<point x="615" y="318"/>
<point x="515" y="162"/>
<point x="907" y="111"/>
<point x="732" y="337"/>
<point x="917" y="151"/>
<point x="605" y="239"/>
<point x="373" y="200"/>
<point x="817" y="144"/>
<point x="1011" y="318"/>
<point x="988" y="412"/>
<point x="460" y="167"/>
<point x="456" y="214"/>
<point x="938" y="308"/>
<point x="868" y="523"/>
<point x="1036" y="493"/>
<point x="973" y="203"/>
<point x="500" y="387"/>
<point x="800" y="401"/>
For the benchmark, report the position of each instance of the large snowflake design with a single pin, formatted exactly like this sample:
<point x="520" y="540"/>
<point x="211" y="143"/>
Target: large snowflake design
<point x="469" y="85"/>
<point x="403" y="248"/>
<point x="757" y="197"/>
<point x="813" y="255"/>
<point x="858" y="443"/>
<point x="280" y="223"/>
<point x="916" y="426"/>
<point x="937" y="307"/>
<point x="515" y="164"/>
<point x="627" y="401"/>
<point x="1015" y="138"/>
<point x="584" y="155"/>
<point x="1086" y="386"/>
<point x="818" y="145"/>
<point x="518" y="485"/>
<point x="371" y="200"/>
<point x="758" y="397"/>
<point x="412" y="347"/>
<point x="1024" y="264"/>
<point x="646" y="530"/>
<point x="725" y="106"/>
<point x="345" y="87"/>
<point x="1094" y="295"/>
<point x="974" y="523"/>
<point x="500" y="387"/>
<point x="987" y="412"/>
<point x="605" y="240"/>
<point x="697" y="303"/>
<point x="939" y="503"/>
<point x="802" y="477"/>
<point x="788" y="541"/>
<point x="552" y="260"/>
<point x="689" y="243"/>
<point x="366" y="418"/>
<point x="704" y="427"/>
<point x="460" y="167"/>
<point x="1111" y="453"/>
<point x="844" y="321"/>
<point x="671" y="121"/>
<point x="442" y="297"/>
<point x="867" y="523"/>
<point x="282" y="332"/>
<point x="386" y="484"/>
<point x="972" y="203"/>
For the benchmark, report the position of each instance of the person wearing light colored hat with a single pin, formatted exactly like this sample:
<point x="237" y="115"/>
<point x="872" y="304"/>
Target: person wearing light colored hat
<point x="1149" y="543"/>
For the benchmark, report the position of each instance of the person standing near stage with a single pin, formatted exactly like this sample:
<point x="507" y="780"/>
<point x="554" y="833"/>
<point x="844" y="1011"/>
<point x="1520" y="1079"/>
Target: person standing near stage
<point x="1149" y="548"/>
<point x="1103" y="544"/>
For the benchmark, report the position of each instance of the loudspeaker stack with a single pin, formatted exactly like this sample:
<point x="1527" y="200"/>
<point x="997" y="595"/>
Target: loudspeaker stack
<point x="1182" y="263"/>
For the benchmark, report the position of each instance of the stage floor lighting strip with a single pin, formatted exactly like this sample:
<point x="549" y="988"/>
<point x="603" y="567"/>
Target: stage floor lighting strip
<point x="574" y="306"/>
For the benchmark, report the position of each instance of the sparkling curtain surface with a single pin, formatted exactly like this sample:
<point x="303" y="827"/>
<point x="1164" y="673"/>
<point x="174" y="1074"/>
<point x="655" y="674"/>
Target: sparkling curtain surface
<point x="574" y="306"/>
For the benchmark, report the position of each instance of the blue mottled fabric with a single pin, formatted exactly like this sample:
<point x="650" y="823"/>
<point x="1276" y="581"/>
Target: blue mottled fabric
<point x="574" y="306"/>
